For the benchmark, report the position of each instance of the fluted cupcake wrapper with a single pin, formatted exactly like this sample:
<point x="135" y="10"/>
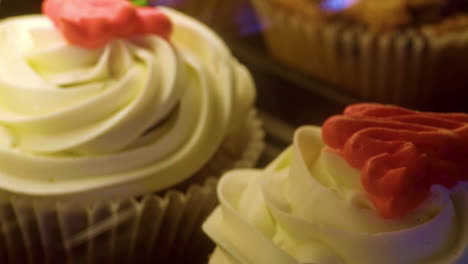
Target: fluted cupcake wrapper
<point x="400" y="67"/>
<point x="162" y="229"/>
<point x="156" y="228"/>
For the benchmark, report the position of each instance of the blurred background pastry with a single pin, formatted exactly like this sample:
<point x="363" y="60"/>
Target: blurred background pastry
<point x="412" y="53"/>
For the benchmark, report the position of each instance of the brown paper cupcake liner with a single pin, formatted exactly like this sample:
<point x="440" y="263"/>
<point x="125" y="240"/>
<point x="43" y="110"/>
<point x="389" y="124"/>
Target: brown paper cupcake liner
<point x="156" y="228"/>
<point x="398" y="67"/>
<point x="153" y="229"/>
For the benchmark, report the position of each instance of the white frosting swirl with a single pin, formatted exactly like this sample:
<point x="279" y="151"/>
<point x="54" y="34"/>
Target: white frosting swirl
<point x="308" y="207"/>
<point x="136" y="116"/>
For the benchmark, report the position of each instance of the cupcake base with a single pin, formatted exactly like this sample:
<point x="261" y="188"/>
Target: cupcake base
<point x="158" y="228"/>
<point x="153" y="229"/>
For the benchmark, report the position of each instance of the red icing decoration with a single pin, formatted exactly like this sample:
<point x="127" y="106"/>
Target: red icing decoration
<point x="93" y="23"/>
<point x="401" y="153"/>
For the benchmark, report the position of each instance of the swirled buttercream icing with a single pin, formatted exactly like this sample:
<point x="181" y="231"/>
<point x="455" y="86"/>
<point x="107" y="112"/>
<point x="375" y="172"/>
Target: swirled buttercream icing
<point x="136" y="115"/>
<point x="309" y="206"/>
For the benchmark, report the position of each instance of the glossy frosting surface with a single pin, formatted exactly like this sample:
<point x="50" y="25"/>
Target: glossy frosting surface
<point x="138" y="115"/>
<point x="308" y="206"/>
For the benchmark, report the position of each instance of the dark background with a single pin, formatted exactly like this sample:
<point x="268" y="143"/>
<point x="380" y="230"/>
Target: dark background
<point x="18" y="7"/>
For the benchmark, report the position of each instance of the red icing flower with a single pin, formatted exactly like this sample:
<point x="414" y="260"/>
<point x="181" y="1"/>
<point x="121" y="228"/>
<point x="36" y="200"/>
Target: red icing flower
<point x="93" y="23"/>
<point x="401" y="153"/>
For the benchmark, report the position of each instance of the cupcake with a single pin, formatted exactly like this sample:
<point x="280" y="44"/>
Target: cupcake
<point x="411" y="53"/>
<point x="113" y="119"/>
<point x="378" y="184"/>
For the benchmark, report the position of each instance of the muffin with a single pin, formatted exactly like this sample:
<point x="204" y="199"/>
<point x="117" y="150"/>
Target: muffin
<point x="232" y="18"/>
<point x="378" y="184"/>
<point x="113" y="118"/>
<point x="411" y="53"/>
